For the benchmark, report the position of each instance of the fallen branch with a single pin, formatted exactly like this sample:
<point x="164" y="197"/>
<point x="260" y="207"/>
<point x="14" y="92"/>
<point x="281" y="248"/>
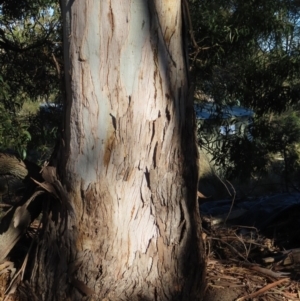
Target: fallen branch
<point x="269" y="272"/>
<point x="231" y="248"/>
<point x="263" y="290"/>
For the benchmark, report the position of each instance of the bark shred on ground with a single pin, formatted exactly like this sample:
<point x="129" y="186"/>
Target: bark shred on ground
<point x="261" y="263"/>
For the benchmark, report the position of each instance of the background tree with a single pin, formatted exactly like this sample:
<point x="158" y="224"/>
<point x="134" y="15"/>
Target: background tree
<point x="247" y="53"/>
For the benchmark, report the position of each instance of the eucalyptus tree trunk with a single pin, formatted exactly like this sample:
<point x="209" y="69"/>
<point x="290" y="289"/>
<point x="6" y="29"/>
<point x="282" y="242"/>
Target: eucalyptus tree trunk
<point x="128" y="159"/>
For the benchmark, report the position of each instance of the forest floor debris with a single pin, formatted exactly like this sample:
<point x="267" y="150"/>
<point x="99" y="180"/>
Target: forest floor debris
<point x="247" y="263"/>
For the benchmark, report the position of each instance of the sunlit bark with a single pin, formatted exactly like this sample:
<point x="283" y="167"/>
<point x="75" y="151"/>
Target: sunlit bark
<point x="128" y="159"/>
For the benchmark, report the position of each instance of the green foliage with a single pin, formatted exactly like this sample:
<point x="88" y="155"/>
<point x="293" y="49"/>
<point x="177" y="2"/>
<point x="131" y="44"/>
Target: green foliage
<point x="247" y="52"/>
<point x="274" y="139"/>
<point x="31" y="53"/>
<point x="284" y="138"/>
<point x="44" y="127"/>
<point x="235" y="156"/>
<point x="31" y="67"/>
<point x="14" y="133"/>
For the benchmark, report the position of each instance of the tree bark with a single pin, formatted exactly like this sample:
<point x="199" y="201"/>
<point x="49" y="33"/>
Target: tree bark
<point x="128" y="160"/>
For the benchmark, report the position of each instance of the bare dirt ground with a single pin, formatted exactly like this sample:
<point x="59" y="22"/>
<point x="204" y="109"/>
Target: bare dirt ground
<point x="223" y="294"/>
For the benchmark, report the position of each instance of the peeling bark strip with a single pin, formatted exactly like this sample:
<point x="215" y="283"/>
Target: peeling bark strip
<point x="129" y="157"/>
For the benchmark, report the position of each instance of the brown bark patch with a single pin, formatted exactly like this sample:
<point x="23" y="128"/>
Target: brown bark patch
<point x="108" y="149"/>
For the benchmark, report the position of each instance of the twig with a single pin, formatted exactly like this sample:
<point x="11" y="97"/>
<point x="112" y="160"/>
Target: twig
<point x="242" y="241"/>
<point x="233" y="196"/>
<point x="56" y="65"/>
<point x="232" y="203"/>
<point x="5" y="205"/>
<point x="189" y="23"/>
<point x="223" y="184"/>
<point x="263" y="290"/>
<point x="269" y="272"/>
<point x="231" y="247"/>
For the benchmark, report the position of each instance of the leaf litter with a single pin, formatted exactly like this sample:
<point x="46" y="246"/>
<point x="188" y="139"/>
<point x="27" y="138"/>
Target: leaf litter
<point x="261" y="262"/>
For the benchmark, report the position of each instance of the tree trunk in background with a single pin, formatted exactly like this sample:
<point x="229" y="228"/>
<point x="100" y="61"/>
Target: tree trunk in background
<point x="128" y="159"/>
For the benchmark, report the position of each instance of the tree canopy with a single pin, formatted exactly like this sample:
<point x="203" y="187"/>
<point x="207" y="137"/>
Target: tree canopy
<point x="248" y="52"/>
